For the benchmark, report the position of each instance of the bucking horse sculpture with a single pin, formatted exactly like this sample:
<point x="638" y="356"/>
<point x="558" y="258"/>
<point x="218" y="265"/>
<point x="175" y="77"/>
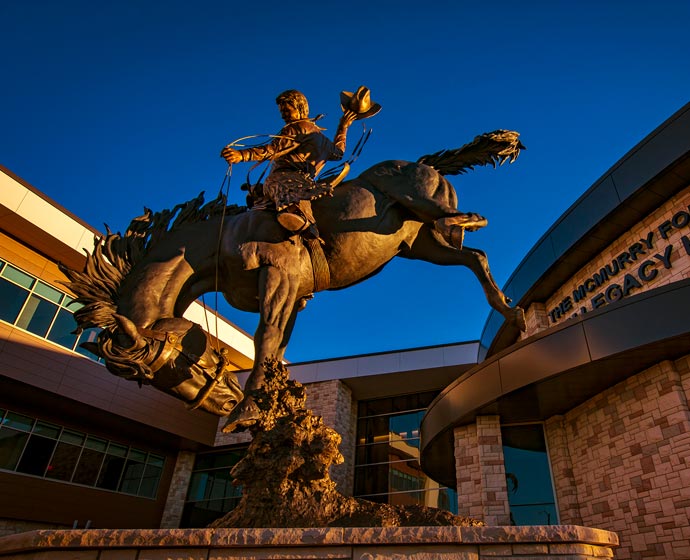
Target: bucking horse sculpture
<point x="136" y="287"/>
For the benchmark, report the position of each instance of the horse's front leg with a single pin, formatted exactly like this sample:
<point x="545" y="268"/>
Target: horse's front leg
<point x="430" y="246"/>
<point x="277" y="295"/>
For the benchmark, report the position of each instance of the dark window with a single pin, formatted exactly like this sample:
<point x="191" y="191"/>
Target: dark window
<point x="40" y="448"/>
<point x="62" y="331"/>
<point x="112" y="468"/>
<point x="37" y="315"/>
<point x="12" y="298"/>
<point x="36" y="455"/>
<point x="530" y="489"/>
<point x="63" y="462"/>
<point x="387" y="466"/>
<point x="12" y="444"/>
<point x="211" y="491"/>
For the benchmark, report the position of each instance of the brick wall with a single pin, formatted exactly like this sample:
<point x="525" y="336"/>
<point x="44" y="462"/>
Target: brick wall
<point x="333" y="401"/>
<point x="630" y="452"/>
<point x="667" y="226"/>
<point x="480" y="471"/>
<point x="178" y="490"/>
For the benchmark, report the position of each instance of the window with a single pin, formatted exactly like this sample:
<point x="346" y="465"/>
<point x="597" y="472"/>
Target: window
<point x="37" y="307"/>
<point x="211" y="493"/>
<point x="32" y="446"/>
<point x="530" y="487"/>
<point x="387" y="468"/>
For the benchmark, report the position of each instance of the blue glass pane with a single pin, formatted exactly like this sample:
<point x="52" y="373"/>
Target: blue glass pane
<point x="19" y="277"/>
<point x="530" y="489"/>
<point x="62" y="330"/>
<point x="12" y="298"/>
<point x="37" y="315"/>
<point x="11" y="446"/>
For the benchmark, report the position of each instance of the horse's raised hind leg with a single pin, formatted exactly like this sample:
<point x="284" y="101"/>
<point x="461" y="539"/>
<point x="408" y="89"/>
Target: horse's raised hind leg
<point x="277" y="294"/>
<point x="431" y="247"/>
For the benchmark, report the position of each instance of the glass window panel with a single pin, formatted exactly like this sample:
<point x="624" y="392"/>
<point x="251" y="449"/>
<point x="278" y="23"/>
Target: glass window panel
<point x="530" y="490"/>
<point x="156" y="460"/>
<point x="149" y="483"/>
<point x="48" y="292"/>
<point x="111" y="471"/>
<point x="36" y="455"/>
<point x="62" y="331"/>
<point x="18" y="277"/>
<point x="12" y="444"/>
<point x="63" y="462"/>
<point x="131" y="477"/>
<point x="12" y="299"/>
<point x="47" y="430"/>
<point x="136" y="455"/>
<point x="18" y="421"/>
<point x="1" y="263"/>
<point x="117" y="450"/>
<point x="37" y="315"/>
<point x="68" y="301"/>
<point x="70" y="436"/>
<point x="88" y="467"/>
<point x="96" y="443"/>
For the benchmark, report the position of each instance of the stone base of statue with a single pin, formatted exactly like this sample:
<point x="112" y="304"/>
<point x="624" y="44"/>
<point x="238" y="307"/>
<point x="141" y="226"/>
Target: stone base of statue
<point x="285" y="473"/>
<point x="566" y="542"/>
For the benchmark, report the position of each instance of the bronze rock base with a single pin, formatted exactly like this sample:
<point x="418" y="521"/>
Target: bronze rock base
<point x="285" y="474"/>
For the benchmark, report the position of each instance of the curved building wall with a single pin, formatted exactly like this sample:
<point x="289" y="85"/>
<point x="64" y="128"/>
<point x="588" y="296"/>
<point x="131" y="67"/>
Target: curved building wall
<point x="602" y="373"/>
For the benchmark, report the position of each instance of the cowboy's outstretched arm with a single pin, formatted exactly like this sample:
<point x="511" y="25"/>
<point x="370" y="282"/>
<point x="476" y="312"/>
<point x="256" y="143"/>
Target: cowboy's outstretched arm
<point x="259" y="153"/>
<point x="341" y="133"/>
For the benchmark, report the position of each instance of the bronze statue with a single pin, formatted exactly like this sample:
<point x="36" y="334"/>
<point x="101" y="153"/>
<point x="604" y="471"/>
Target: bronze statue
<point x="137" y="286"/>
<point x="298" y="154"/>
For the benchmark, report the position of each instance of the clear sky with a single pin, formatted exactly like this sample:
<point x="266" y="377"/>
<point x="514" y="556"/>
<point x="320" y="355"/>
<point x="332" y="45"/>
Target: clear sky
<point x="111" y="106"/>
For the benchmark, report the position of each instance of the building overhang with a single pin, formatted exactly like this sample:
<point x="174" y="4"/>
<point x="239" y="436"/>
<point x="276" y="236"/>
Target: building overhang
<point x="556" y="370"/>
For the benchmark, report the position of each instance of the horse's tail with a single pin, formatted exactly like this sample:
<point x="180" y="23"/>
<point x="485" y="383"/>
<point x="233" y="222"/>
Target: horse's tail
<point x="490" y="148"/>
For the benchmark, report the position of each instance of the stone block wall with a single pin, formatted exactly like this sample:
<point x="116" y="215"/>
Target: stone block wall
<point x="177" y="493"/>
<point x="480" y="471"/>
<point x="630" y="453"/>
<point x="334" y="402"/>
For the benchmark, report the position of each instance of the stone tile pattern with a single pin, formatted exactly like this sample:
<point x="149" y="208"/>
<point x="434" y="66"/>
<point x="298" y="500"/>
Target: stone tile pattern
<point x="680" y="260"/>
<point x="621" y="461"/>
<point x="480" y="471"/>
<point x="12" y="526"/>
<point x="333" y="401"/>
<point x="420" y="543"/>
<point x="178" y="490"/>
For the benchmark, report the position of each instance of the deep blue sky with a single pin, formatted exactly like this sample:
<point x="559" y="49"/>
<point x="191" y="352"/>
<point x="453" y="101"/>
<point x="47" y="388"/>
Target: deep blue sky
<point x="108" y="107"/>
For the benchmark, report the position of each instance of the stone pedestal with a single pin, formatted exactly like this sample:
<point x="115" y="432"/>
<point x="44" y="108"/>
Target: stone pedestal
<point x="569" y="542"/>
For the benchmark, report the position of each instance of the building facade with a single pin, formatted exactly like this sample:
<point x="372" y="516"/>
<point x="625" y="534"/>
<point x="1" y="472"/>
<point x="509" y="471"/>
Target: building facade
<point x="583" y="419"/>
<point x="591" y="401"/>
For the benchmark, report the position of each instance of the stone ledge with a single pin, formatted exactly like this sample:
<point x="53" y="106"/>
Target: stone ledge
<point x="571" y="541"/>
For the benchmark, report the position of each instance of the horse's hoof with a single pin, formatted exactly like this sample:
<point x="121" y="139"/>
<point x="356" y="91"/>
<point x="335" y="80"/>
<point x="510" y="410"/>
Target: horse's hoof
<point x="518" y="318"/>
<point x="243" y="416"/>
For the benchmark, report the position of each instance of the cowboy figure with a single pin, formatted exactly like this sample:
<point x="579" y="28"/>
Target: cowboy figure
<point x="299" y="153"/>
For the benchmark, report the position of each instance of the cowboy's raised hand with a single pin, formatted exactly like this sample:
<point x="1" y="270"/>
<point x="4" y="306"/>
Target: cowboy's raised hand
<point x="230" y="155"/>
<point x="348" y="117"/>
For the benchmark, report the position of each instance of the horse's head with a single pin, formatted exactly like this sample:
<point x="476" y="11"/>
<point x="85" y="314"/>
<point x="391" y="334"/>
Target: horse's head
<point x="175" y="356"/>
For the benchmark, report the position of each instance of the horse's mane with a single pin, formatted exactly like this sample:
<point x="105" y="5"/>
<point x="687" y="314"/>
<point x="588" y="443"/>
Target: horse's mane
<point x="114" y="256"/>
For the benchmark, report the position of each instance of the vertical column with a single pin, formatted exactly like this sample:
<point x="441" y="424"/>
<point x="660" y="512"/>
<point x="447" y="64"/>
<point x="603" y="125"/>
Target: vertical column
<point x="562" y="469"/>
<point x="493" y="471"/>
<point x="467" y="472"/>
<point x="172" y="513"/>
<point x="480" y="471"/>
<point x="333" y="401"/>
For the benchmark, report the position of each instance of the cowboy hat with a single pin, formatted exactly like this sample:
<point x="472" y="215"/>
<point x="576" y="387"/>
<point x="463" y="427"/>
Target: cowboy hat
<point x="359" y="102"/>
